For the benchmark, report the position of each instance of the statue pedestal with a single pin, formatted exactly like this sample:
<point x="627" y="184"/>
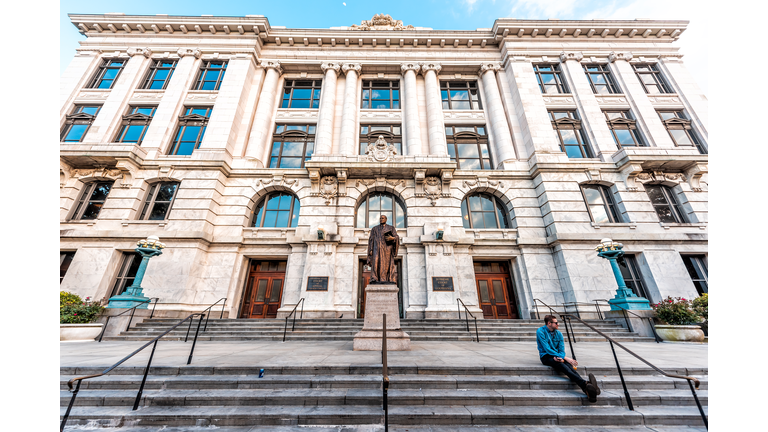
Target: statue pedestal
<point x="381" y="299"/>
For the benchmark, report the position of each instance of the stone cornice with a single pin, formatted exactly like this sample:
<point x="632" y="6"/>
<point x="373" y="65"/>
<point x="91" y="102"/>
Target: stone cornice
<point x="658" y="30"/>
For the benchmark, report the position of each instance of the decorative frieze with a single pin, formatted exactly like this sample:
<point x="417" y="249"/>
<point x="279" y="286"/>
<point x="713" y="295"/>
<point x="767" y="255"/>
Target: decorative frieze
<point x="304" y="114"/>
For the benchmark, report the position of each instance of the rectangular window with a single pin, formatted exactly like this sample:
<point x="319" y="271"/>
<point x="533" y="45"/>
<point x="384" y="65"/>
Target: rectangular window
<point x="92" y="200"/>
<point x="623" y="128"/>
<point x="567" y="125"/>
<point x="65" y="259"/>
<point x="135" y="124"/>
<point x="600" y="79"/>
<point x="679" y="128"/>
<point x="600" y="203"/>
<point x="210" y="75"/>
<point x="370" y="133"/>
<point x="191" y="130"/>
<point x="107" y="73"/>
<point x="301" y="94"/>
<point x="159" y="200"/>
<point x="550" y="78"/>
<point x="697" y="269"/>
<point x="127" y="272"/>
<point x="665" y="203"/>
<point x="381" y="95"/>
<point x="460" y="95"/>
<point x="468" y="146"/>
<point x="632" y="277"/>
<point x="159" y="74"/>
<point x="78" y="123"/>
<point x="292" y="145"/>
<point x="651" y="79"/>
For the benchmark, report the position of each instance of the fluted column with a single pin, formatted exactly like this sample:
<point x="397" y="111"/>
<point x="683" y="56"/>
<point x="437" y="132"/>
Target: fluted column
<point x="257" y="141"/>
<point x="412" y="126"/>
<point x="502" y="136"/>
<point x="324" y="134"/>
<point x="435" y="123"/>
<point x="349" y="110"/>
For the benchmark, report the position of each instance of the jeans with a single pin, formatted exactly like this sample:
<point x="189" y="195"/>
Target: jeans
<point x="564" y="368"/>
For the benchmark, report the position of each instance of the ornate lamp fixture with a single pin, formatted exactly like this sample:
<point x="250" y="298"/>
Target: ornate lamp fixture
<point x="147" y="248"/>
<point x="612" y="251"/>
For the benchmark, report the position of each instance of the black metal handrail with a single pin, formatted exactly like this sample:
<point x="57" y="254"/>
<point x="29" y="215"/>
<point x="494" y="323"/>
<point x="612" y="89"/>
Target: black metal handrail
<point x="132" y="310"/>
<point x="568" y="330"/>
<point x="154" y="341"/>
<point x="467" y="313"/>
<point x="691" y="380"/>
<point x="293" y="327"/>
<point x="209" y="308"/>
<point x="384" y="373"/>
<point x="629" y="324"/>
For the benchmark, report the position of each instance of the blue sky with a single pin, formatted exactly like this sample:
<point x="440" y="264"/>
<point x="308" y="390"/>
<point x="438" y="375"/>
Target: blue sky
<point x="437" y="14"/>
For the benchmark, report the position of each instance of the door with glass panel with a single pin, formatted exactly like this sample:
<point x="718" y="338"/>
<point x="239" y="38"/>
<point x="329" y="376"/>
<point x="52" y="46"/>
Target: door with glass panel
<point x="495" y="291"/>
<point x="263" y="289"/>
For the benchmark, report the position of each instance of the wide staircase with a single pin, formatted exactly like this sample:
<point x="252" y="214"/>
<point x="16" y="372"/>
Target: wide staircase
<point x="345" y="329"/>
<point x="329" y="397"/>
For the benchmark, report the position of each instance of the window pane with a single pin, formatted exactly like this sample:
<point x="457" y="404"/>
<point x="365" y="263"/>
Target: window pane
<point x="285" y="202"/>
<point x="459" y="95"/>
<point x="300" y="103"/>
<point x="295" y="215"/>
<point x="599" y="214"/>
<point x="293" y="149"/>
<point x="400" y="217"/>
<point x="159" y="211"/>
<point x="665" y="214"/>
<point x="464" y="214"/>
<point x="290" y="162"/>
<point x="598" y="78"/>
<point x="487" y="204"/>
<point x="282" y="219"/>
<point x="624" y="137"/>
<point x="568" y="136"/>
<point x="92" y="210"/>
<point x="470" y="164"/>
<point x="547" y="79"/>
<point x="573" y="152"/>
<point x="76" y="132"/>
<point x="490" y="220"/>
<point x="374" y="203"/>
<point x="680" y="137"/>
<point x="477" y="220"/>
<point x="133" y="133"/>
<point x="475" y="203"/>
<point x="386" y="202"/>
<point x="361" y="215"/>
<point x="593" y="196"/>
<point x="269" y="219"/>
<point x="302" y="93"/>
<point x="380" y="104"/>
<point x="273" y="202"/>
<point x="89" y="110"/>
<point x="468" y="150"/>
<point x="656" y="196"/>
<point x="166" y="191"/>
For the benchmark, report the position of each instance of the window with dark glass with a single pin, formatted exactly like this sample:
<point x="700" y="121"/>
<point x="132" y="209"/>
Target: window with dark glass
<point x="633" y="279"/>
<point x="600" y="79"/>
<point x="573" y="142"/>
<point x="381" y="95"/>
<point x="468" y="145"/>
<point x="292" y="145"/>
<point x="483" y="211"/>
<point x="301" y="94"/>
<point x="191" y="130"/>
<point x="599" y="199"/>
<point x="65" y="259"/>
<point x="697" y="269"/>
<point x="135" y="124"/>
<point x="159" y="200"/>
<point x="77" y="124"/>
<point x="127" y="273"/>
<point x="210" y="75"/>
<point x="107" y="73"/>
<point x="550" y="78"/>
<point x="665" y="203"/>
<point x="92" y="200"/>
<point x="623" y="128"/>
<point x="380" y="203"/>
<point x="392" y="134"/>
<point x="159" y="74"/>
<point x="679" y="128"/>
<point x="277" y="210"/>
<point x="460" y="95"/>
<point x="651" y="79"/>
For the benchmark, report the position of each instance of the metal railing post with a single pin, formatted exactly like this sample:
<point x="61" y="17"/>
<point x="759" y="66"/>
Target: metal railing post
<point x="458" y="308"/>
<point x="188" y="329"/>
<point x="477" y="335"/>
<point x="69" y="408"/>
<point x="104" y="329"/>
<point x="133" y="309"/>
<point x="621" y="375"/>
<point x="151" y="315"/>
<point x="222" y="308"/>
<point x="653" y="329"/>
<point x="195" y="340"/>
<point x="565" y="320"/>
<point x="698" y="404"/>
<point x="144" y="379"/>
<point x="385" y="377"/>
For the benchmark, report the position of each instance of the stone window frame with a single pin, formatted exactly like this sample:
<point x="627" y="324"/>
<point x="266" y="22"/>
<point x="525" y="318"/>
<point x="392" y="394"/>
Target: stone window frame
<point x="394" y="86"/>
<point x="671" y="202"/>
<point x="126" y="273"/>
<point x="258" y="218"/>
<point x="625" y="122"/>
<point x="659" y="83"/>
<point x="190" y="119"/>
<point x="285" y="132"/>
<point x="453" y="138"/>
<point x="156" y="66"/>
<point x="460" y="85"/>
<point x="65" y="260"/>
<point x="560" y="83"/>
<point x="633" y="277"/>
<point x="697" y="267"/>
<point x="608" y="203"/>
<point x="394" y="136"/>
<point x="398" y="204"/>
<point x="290" y="85"/>
<point x="78" y="117"/>
<point x="85" y="201"/>
<point x="605" y="71"/>
<point x="681" y="122"/>
<point x="499" y="210"/>
<point x="151" y="201"/>
<point x="202" y="73"/>
<point x="106" y="65"/>
<point x="571" y="122"/>
<point x="135" y="118"/>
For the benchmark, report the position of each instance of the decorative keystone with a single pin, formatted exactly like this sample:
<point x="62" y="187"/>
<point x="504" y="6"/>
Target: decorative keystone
<point x="613" y="56"/>
<point x="577" y="56"/>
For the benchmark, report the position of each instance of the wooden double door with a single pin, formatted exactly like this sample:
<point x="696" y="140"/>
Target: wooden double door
<point x="365" y="278"/>
<point x="263" y="289"/>
<point x="495" y="291"/>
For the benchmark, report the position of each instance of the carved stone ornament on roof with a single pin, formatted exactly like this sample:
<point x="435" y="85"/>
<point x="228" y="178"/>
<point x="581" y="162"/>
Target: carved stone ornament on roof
<point x="334" y="66"/>
<point x="613" y="56"/>
<point x="146" y="52"/>
<point x="380" y="151"/>
<point x="271" y="64"/>
<point x="381" y="22"/>
<point x="571" y="56"/>
<point x="195" y="52"/>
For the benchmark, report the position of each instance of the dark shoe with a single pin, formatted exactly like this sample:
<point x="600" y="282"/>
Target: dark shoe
<point x="593" y="381"/>
<point x="591" y="392"/>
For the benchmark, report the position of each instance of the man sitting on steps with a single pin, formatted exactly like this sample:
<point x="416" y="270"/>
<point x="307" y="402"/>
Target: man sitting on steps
<point x="551" y="347"/>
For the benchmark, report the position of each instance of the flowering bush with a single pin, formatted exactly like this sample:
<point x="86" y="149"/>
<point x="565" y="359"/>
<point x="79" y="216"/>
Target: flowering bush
<point x="73" y="310"/>
<point x="676" y="311"/>
<point x="701" y="306"/>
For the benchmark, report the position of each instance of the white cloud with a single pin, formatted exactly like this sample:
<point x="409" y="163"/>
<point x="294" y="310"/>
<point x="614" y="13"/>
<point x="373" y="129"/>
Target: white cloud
<point x="470" y="4"/>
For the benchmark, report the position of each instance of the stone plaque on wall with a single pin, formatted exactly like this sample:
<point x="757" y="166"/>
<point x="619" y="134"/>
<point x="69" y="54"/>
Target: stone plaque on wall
<point x="317" y="283"/>
<point x="442" y="284"/>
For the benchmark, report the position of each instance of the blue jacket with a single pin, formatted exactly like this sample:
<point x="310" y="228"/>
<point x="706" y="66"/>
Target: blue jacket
<point x="550" y="342"/>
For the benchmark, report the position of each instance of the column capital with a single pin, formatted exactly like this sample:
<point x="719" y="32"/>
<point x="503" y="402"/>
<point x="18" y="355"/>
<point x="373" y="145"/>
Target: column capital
<point x="564" y="56"/>
<point x="405" y="67"/>
<point x="195" y="52"/>
<point x="146" y="52"/>
<point x="489" y="66"/>
<point x="271" y="64"/>
<point x="356" y="67"/>
<point x="428" y="66"/>
<point x="334" y="66"/>
<point x="613" y="56"/>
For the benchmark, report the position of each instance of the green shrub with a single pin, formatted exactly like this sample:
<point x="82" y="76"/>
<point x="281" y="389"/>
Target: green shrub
<point x="701" y="306"/>
<point x="676" y="311"/>
<point x="67" y="298"/>
<point x="73" y="310"/>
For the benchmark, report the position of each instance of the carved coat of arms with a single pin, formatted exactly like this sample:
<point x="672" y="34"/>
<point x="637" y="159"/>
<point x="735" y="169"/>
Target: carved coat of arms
<point x="433" y="188"/>
<point x="381" y="22"/>
<point x="380" y="151"/>
<point x="328" y="188"/>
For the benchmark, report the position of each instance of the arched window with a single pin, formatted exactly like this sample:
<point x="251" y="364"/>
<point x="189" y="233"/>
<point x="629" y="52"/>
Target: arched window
<point x="600" y="203"/>
<point x="668" y="209"/>
<point x="483" y="211"/>
<point x="380" y="203"/>
<point x="277" y="210"/>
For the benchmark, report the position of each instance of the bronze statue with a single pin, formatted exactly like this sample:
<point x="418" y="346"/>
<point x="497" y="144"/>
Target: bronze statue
<point x="382" y="250"/>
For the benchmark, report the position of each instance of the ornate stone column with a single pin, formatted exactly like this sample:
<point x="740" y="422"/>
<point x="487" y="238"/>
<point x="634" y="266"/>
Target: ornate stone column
<point x="502" y="136"/>
<point x="412" y="127"/>
<point x="435" y="123"/>
<point x="257" y="140"/>
<point x="324" y="134"/>
<point x="349" y="110"/>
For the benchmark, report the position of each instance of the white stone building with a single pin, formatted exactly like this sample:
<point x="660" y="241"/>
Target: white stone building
<point x="235" y="142"/>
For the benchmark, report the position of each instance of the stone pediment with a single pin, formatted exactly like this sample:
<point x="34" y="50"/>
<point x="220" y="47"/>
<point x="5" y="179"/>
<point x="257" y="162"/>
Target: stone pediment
<point x="381" y="22"/>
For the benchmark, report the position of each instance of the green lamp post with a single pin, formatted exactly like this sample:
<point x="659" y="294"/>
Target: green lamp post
<point x="147" y="248"/>
<point x="625" y="298"/>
